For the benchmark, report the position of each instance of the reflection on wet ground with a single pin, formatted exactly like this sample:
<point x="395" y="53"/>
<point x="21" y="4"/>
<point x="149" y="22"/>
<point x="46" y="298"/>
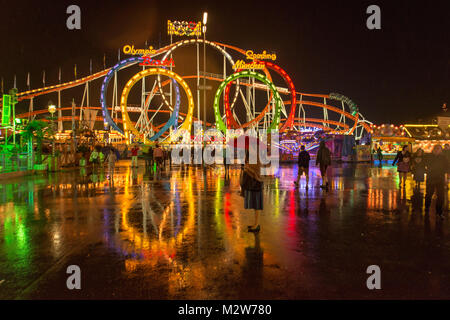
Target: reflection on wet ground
<point x="182" y="234"/>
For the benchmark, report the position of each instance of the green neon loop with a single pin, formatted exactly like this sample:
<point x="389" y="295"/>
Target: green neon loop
<point x="276" y="120"/>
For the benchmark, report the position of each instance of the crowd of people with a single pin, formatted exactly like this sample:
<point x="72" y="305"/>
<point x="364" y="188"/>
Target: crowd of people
<point x="435" y="166"/>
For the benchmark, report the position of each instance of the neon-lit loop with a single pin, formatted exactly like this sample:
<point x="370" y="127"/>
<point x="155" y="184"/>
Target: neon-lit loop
<point x="290" y="83"/>
<point x="128" y="126"/>
<point x="194" y="41"/>
<point x="107" y="117"/>
<point x="231" y="122"/>
<point x="288" y="124"/>
<point x="276" y="120"/>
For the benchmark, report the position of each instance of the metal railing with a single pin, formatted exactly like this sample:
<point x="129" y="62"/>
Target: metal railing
<point x="10" y="162"/>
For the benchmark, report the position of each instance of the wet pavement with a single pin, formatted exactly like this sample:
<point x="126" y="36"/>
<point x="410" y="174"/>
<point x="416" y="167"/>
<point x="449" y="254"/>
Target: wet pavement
<point x="182" y="234"/>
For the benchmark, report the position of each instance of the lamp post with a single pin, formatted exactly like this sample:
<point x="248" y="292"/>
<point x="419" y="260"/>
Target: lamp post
<point x="52" y="110"/>
<point x="205" y="20"/>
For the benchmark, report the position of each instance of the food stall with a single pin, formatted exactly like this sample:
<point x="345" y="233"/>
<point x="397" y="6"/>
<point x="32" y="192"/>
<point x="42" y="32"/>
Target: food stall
<point x="390" y="139"/>
<point x="427" y="136"/>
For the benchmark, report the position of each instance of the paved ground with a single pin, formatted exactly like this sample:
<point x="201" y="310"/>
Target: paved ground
<point x="183" y="235"/>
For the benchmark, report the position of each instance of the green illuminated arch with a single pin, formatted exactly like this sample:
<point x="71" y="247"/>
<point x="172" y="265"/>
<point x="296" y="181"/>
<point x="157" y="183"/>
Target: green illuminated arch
<point x="247" y="73"/>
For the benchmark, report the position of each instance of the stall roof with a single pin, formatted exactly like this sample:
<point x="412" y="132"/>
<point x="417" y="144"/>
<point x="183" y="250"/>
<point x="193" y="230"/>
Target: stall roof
<point x="394" y="139"/>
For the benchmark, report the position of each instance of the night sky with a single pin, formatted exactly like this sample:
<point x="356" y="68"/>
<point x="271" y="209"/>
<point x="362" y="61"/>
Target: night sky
<point x="396" y="75"/>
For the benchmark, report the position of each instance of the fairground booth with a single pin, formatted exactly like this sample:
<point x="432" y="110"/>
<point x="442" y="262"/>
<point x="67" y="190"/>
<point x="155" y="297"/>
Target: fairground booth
<point x="390" y="139"/>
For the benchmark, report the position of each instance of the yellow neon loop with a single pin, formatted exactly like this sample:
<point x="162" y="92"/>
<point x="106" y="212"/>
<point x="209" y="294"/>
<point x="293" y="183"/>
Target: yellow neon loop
<point x="128" y="125"/>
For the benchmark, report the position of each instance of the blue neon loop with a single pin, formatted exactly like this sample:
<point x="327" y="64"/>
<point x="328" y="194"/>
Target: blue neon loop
<point x="173" y="121"/>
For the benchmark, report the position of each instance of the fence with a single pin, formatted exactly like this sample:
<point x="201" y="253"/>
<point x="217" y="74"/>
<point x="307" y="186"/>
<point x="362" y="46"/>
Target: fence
<point x="10" y="162"/>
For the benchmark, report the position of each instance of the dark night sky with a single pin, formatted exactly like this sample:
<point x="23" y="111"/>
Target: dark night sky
<point x="395" y="75"/>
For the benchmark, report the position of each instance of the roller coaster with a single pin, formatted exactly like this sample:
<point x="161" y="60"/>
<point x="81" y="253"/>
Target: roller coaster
<point x="164" y="109"/>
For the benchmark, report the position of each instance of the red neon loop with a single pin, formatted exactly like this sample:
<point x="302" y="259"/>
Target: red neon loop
<point x="231" y="122"/>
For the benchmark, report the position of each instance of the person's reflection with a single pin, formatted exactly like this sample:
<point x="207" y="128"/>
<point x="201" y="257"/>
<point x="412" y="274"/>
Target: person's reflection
<point x="417" y="200"/>
<point x="252" y="270"/>
<point x="299" y="206"/>
<point x="402" y="200"/>
<point x="323" y="206"/>
<point x="134" y="175"/>
<point x="111" y="181"/>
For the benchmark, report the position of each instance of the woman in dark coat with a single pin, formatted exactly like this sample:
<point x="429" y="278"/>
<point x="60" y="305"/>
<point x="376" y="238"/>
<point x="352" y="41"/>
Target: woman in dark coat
<point x="418" y="167"/>
<point x="403" y="160"/>
<point x="252" y="187"/>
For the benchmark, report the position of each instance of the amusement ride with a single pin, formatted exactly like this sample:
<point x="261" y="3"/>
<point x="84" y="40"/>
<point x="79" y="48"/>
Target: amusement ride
<point x="253" y="92"/>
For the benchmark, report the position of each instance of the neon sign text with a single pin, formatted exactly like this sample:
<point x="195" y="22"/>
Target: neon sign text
<point x="151" y="62"/>
<point x="260" y="56"/>
<point x="184" y="28"/>
<point x="241" y="64"/>
<point x="143" y="52"/>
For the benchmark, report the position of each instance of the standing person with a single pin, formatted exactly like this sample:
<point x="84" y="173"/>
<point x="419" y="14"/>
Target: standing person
<point x="111" y="160"/>
<point x="379" y="155"/>
<point x="150" y="155"/>
<point x="303" y="165"/>
<point x="158" y="155"/>
<point x="323" y="160"/>
<point x="146" y="155"/>
<point x="125" y="152"/>
<point x="134" y="156"/>
<point x="226" y="161"/>
<point x="446" y="153"/>
<point x="403" y="160"/>
<point x="418" y="167"/>
<point x="96" y="157"/>
<point x="252" y="186"/>
<point x="436" y="167"/>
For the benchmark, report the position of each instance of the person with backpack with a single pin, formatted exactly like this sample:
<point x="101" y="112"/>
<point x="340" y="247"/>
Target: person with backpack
<point x="96" y="157"/>
<point x="303" y="166"/>
<point x="323" y="160"/>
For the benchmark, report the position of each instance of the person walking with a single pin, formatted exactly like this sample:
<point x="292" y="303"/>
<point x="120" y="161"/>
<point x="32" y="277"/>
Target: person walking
<point x="252" y="186"/>
<point x="418" y="167"/>
<point x="158" y="155"/>
<point x="323" y="160"/>
<point x="134" y="156"/>
<point x="403" y="160"/>
<point x="111" y="160"/>
<point x="379" y="156"/>
<point x="436" y="168"/>
<point x="303" y="165"/>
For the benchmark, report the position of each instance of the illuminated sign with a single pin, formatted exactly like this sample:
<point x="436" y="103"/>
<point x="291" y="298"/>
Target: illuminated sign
<point x="184" y="28"/>
<point x="241" y="64"/>
<point x="143" y="52"/>
<point x="6" y="109"/>
<point x="260" y="56"/>
<point x="151" y="62"/>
